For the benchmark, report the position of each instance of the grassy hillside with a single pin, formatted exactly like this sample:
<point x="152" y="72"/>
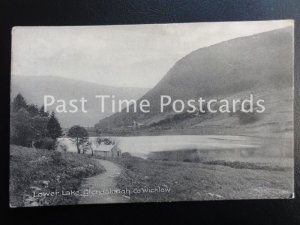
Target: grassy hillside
<point x="66" y="89"/>
<point x="261" y="64"/>
<point x="37" y="170"/>
<point x="216" y="180"/>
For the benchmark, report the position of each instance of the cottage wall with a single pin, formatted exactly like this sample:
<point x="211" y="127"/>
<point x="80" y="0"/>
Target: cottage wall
<point x="114" y="152"/>
<point x="104" y="154"/>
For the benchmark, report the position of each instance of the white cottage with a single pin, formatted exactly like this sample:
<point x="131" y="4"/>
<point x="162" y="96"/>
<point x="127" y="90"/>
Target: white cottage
<point x="108" y="151"/>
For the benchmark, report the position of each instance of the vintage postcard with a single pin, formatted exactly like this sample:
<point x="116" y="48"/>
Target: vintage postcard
<point x="152" y="113"/>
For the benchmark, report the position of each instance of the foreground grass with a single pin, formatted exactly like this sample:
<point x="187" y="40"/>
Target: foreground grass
<point x="197" y="181"/>
<point x="45" y="171"/>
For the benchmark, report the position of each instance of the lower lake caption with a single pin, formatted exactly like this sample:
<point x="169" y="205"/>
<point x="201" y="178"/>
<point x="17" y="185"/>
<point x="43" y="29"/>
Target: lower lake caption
<point x="90" y="192"/>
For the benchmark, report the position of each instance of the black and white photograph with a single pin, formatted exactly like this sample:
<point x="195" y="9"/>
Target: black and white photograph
<point x="174" y="112"/>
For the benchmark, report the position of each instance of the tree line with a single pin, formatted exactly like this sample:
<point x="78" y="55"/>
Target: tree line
<point x="31" y="126"/>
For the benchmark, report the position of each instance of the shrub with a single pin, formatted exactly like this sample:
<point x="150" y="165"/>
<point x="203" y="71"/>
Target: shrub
<point x="63" y="147"/>
<point x="187" y="160"/>
<point x="45" y="143"/>
<point x="126" y="155"/>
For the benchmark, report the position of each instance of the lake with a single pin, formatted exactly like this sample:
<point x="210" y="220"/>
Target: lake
<point x="142" y="145"/>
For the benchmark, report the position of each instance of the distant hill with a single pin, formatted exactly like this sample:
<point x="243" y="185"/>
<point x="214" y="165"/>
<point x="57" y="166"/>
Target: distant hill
<point x="33" y="88"/>
<point x="262" y="61"/>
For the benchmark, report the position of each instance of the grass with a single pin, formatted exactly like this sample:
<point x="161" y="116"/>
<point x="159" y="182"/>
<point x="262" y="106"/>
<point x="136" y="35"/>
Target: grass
<point x="247" y="165"/>
<point x="197" y="181"/>
<point x="45" y="171"/>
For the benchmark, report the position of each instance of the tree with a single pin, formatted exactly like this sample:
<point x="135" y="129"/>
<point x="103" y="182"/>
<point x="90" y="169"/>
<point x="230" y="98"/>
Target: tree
<point x="53" y="127"/>
<point x="91" y="147"/>
<point x="33" y="110"/>
<point x="21" y="131"/>
<point x="18" y="103"/>
<point x="31" y="126"/>
<point x="39" y="125"/>
<point x="43" y="113"/>
<point x="79" y="135"/>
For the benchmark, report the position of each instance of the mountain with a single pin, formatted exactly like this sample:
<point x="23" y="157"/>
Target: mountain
<point x="251" y="63"/>
<point x="33" y="88"/>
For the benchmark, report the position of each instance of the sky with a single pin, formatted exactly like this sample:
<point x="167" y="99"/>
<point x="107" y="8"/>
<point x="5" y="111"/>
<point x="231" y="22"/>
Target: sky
<point x="119" y="55"/>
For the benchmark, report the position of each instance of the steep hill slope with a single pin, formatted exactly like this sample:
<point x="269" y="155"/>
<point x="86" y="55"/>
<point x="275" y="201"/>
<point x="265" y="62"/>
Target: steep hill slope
<point x="262" y="61"/>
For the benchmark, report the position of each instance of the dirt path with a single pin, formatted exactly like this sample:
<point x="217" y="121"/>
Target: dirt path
<point x="103" y="182"/>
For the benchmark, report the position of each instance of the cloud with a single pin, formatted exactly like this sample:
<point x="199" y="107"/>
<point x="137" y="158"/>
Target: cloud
<point x="128" y="55"/>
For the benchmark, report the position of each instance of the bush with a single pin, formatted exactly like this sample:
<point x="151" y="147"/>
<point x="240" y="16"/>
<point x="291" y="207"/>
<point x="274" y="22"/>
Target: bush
<point x="57" y="158"/>
<point x="187" y="160"/>
<point x="45" y="143"/>
<point x="126" y="155"/>
<point x="245" y="118"/>
<point x="62" y="147"/>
